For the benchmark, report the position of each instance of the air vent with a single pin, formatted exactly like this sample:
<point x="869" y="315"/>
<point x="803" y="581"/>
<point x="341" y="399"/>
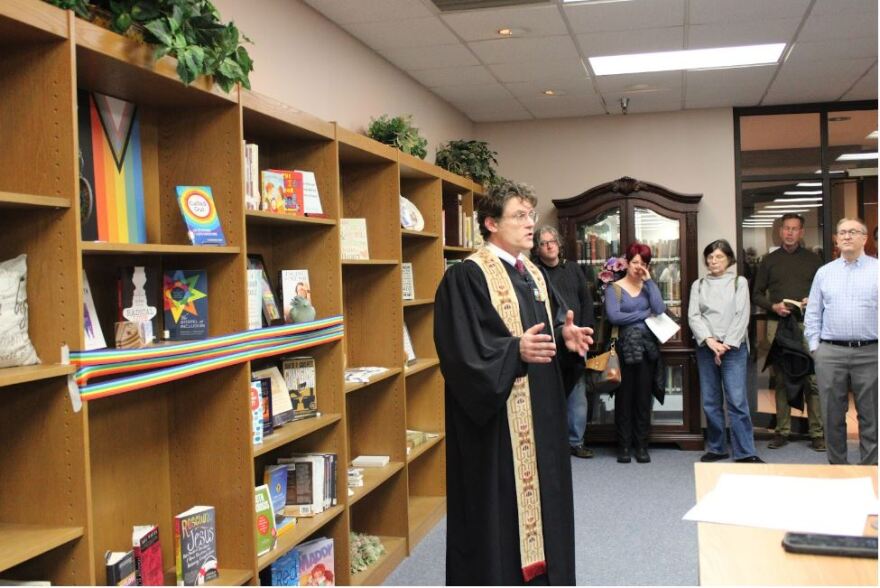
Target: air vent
<point x="454" y="5"/>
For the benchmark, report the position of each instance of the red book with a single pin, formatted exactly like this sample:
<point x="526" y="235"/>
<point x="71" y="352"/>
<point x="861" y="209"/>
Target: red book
<point x="147" y="555"/>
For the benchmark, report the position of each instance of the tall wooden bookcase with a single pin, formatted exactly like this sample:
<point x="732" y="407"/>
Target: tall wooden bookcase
<point x="74" y="482"/>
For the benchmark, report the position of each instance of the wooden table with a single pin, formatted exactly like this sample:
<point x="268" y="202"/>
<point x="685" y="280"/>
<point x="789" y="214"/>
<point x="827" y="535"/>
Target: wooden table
<point x="732" y="555"/>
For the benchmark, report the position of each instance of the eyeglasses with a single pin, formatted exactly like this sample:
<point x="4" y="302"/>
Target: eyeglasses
<point x="521" y="216"/>
<point x="850" y="232"/>
<point x="545" y="243"/>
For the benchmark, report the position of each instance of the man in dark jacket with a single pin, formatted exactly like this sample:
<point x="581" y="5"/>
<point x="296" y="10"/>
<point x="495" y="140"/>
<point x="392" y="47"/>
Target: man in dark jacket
<point x="570" y="283"/>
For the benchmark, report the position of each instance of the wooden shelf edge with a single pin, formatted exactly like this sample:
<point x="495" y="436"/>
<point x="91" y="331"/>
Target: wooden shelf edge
<point x="45" y="18"/>
<point x="373" y="478"/>
<point x="20" y="543"/>
<point x="228" y="577"/>
<point x="96" y="247"/>
<point x="296" y="430"/>
<point x="17" y="200"/>
<point x="419" y="234"/>
<point x="457" y="249"/>
<point x="285" y="114"/>
<point x="363" y="143"/>
<point x="355" y="386"/>
<point x="421" y="365"/>
<point x="395" y="551"/>
<point x="261" y="217"/>
<point x="381" y="262"/>
<point x="418" y="302"/>
<point x="304" y="527"/>
<point x="33" y="373"/>
<point x="420" y="450"/>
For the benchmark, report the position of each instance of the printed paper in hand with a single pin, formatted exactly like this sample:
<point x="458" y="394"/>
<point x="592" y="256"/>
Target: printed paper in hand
<point x="662" y="326"/>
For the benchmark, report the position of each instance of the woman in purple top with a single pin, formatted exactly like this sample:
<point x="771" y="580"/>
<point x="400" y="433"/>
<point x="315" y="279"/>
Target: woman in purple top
<point x="638" y="298"/>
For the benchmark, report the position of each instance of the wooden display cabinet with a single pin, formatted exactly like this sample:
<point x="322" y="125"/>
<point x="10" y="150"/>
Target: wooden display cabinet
<point x="600" y="223"/>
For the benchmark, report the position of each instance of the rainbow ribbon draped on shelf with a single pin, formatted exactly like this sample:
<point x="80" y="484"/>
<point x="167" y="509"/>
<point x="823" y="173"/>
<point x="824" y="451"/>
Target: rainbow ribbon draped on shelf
<point x="173" y="362"/>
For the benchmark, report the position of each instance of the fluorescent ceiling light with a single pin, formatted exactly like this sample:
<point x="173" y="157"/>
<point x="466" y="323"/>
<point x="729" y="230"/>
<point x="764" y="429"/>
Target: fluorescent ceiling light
<point x="765" y="215"/>
<point x="687" y="59"/>
<point x="833" y="171"/>
<point x="857" y="156"/>
<point x="786" y="207"/>
<point x="797" y="200"/>
<point x="802" y="192"/>
<point x="809" y="184"/>
<point x="781" y="209"/>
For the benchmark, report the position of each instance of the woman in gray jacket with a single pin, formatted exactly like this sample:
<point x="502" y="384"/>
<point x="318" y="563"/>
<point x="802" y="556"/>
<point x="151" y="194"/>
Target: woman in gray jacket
<point x="718" y="315"/>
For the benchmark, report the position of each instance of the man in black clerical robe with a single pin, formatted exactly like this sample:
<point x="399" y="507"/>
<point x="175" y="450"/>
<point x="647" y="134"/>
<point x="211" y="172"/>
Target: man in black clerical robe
<point x="481" y="359"/>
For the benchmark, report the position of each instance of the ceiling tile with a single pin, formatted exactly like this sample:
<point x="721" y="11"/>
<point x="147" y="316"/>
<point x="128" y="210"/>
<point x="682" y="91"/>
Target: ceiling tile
<point x="563" y="86"/>
<point x="353" y="11"/>
<point x="513" y="50"/>
<point x="477" y="92"/>
<point x="742" y="33"/>
<point x="743" y="86"/>
<point x="563" y="106"/>
<point x="815" y="81"/>
<point x="431" y="57"/>
<point x="826" y="50"/>
<point x="624" y="16"/>
<point x="613" y="43"/>
<point x="402" y="34"/>
<point x="475" y="25"/>
<point x="866" y="7"/>
<point x="453" y="76"/>
<point x="842" y="25"/>
<point x="495" y="116"/>
<point x="665" y="80"/>
<point x="727" y="11"/>
<point x="536" y="71"/>
<point x="865" y="88"/>
<point x="668" y="101"/>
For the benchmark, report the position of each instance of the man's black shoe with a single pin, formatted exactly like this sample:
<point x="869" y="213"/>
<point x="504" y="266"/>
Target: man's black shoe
<point x="750" y="459"/>
<point x="642" y="455"/>
<point x="581" y="451"/>
<point x="709" y="457"/>
<point x="778" y="441"/>
<point x="623" y="455"/>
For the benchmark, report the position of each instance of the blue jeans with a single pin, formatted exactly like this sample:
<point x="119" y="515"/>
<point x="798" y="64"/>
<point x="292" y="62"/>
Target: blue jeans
<point x="577" y="412"/>
<point x="732" y="374"/>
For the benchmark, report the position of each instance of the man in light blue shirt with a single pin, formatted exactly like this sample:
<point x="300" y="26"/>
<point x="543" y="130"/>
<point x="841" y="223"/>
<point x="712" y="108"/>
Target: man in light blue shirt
<point x="841" y="330"/>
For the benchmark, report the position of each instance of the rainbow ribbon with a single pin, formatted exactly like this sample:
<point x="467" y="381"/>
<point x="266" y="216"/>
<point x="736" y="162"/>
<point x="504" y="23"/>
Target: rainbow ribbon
<point x="196" y="357"/>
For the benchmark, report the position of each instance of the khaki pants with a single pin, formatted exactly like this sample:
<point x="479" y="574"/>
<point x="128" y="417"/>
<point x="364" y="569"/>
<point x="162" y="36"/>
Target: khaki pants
<point x="783" y="410"/>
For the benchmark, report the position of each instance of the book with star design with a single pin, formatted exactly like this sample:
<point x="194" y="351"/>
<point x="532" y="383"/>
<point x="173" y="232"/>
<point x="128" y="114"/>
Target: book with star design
<point x="185" y="298"/>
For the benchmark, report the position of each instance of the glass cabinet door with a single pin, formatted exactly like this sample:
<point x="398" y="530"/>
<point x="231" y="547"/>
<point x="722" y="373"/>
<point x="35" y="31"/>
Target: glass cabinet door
<point x="671" y="412"/>
<point x="662" y="234"/>
<point x="597" y="239"/>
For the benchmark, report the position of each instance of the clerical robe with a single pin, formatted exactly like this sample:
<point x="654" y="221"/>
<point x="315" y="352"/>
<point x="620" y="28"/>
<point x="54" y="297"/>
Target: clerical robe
<point x="480" y="360"/>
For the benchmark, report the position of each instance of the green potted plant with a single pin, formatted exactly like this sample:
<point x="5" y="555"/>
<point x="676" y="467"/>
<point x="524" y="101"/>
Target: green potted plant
<point x="398" y="132"/>
<point x="471" y="159"/>
<point x="188" y="30"/>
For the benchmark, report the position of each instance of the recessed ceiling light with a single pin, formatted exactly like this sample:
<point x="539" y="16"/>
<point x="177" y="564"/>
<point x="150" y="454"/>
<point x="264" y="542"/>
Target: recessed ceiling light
<point x="809" y="184"/>
<point x="688" y="59"/>
<point x="511" y="31"/>
<point x="857" y="156"/>
<point x="802" y="192"/>
<point x="549" y="92"/>
<point x="505" y="32"/>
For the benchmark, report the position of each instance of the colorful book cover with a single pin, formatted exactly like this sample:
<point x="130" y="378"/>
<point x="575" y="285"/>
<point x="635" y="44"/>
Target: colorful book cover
<point x="119" y="566"/>
<point x="275" y="478"/>
<point x="200" y="214"/>
<point x="185" y="298"/>
<point x="147" y="555"/>
<point x="313" y="475"/>
<point x="316" y="563"/>
<point x="268" y="411"/>
<point x="195" y="546"/>
<point x="93" y="334"/>
<point x="111" y="170"/>
<point x="299" y="497"/>
<point x="282" y="409"/>
<point x="265" y="532"/>
<point x="285" y="569"/>
<point x="300" y="376"/>
<point x="296" y="296"/>
<point x="138" y="298"/>
<point x="256" y="404"/>
<point x="282" y="191"/>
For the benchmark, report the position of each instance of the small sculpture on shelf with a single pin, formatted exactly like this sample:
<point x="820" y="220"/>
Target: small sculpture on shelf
<point x="301" y="310"/>
<point x="365" y="551"/>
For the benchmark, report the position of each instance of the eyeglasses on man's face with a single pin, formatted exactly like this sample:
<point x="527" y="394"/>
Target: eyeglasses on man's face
<point x="548" y="242"/>
<point x="850" y="233"/>
<point x="521" y="216"/>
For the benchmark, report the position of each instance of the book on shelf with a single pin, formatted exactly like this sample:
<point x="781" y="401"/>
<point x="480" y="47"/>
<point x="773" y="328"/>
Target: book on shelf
<point x="119" y="566"/>
<point x="138" y="290"/>
<point x="311" y="196"/>
<point x="282" y="408"/>
<point x="363" y="374"/>
<point x="111" y="169"/>
<point x="408" y="349"/>
<point x="316" y="565"/>
<point x="94" y="336"/>
<point x="353" y="238"/>
<point x="295" y="293"/>
<point x="147" y="555"/>
<point x="299" y="498"/>
<point x="275" y="479"/>
<point x="271" y="312"/>
<point x="285" y="570"/>
<point x="195" y="546"/>
<point x="255" y="298"/>
<point x="251" y="176"/>
<point x="256" y="404"/>
<point x="477" y="236"/>
<point x="185" y="300"/>
<point x="406" y="278"/>
<point x="282" y="191"/>
<point x="268" y="412"/>
<point x="355" y="477"/>
<point x="265" y="532"/>
<point x="370" y="461"/>
<point x="200" y="215"/>
<point x="300" y="376"/>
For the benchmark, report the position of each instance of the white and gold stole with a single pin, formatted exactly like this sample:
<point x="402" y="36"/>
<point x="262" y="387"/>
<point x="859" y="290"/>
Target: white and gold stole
<point x="519" y="414"/>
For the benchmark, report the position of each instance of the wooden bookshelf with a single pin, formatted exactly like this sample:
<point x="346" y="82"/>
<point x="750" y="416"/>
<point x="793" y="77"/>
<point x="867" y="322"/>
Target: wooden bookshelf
<point x="304" y="528"/>
<point x="33" y="373"/>
<point x="293" y="431"/>
<point x="355" y="386"/>
<point x="261" y="217"/>
<point x="373" y="478"/>
<point x="411" y="234"/>
<point x="421" y="364"/>
<point x="13" y="200"/>
<point x="19" y="543"/>
<point x="395" y="551"/>
<point x="419" y="450"/>
<point x="424" y="513"/>
<point x="98" y="248"/>
<point x="418" y="302"/>
<point x="228" y="577"/>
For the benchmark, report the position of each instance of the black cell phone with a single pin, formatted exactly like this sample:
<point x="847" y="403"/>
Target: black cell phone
<point x="819" y="544"/>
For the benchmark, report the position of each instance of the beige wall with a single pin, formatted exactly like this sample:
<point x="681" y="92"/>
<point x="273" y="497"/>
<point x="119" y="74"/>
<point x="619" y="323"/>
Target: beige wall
<point x="690" y="151"/>
<point x="306" y="61"/>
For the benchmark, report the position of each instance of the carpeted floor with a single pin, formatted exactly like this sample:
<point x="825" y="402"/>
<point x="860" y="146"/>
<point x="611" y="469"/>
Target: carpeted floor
<point x="627" y="520"/>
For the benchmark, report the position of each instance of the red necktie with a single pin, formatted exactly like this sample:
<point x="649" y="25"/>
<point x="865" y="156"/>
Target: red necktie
<point x="520" y="267"/>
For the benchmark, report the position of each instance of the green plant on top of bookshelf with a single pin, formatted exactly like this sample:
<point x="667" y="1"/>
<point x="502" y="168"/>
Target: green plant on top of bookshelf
<point x="398" y="132"/>
<point x="472" y="159"/>
<point x="189" y="30"/>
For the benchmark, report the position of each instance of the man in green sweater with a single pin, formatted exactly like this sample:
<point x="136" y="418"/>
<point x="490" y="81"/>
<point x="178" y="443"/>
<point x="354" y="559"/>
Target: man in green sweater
<point x="787" y="273"/>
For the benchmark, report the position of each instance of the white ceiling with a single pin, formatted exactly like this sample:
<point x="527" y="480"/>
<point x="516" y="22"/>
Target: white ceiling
<point x="831" y="52"/>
